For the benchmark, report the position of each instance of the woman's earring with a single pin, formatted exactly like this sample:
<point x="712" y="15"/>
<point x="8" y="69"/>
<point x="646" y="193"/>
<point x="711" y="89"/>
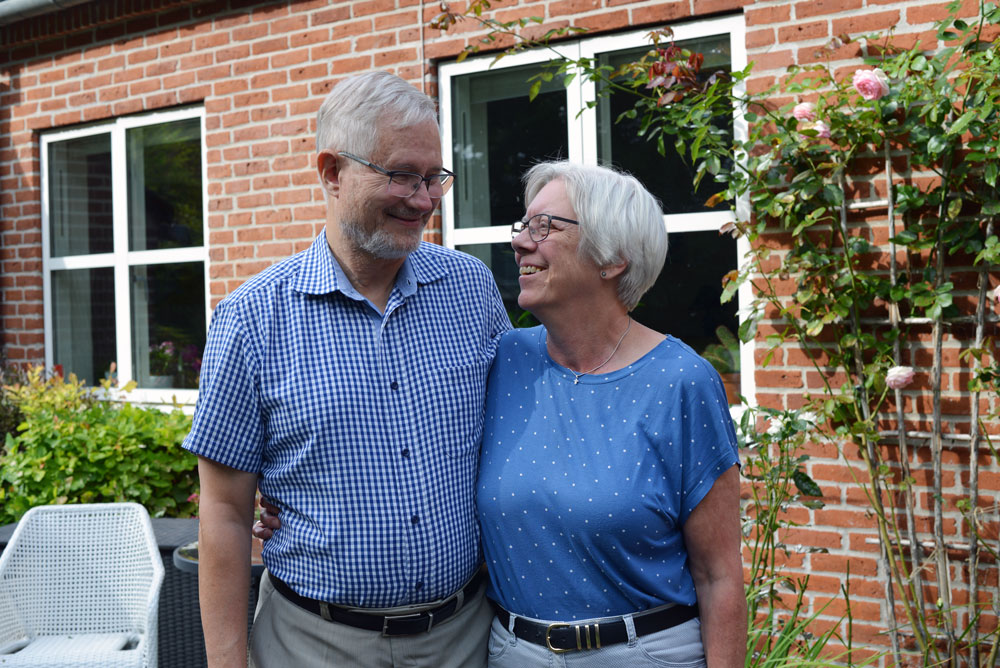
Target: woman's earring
<point x="604" y="274"/>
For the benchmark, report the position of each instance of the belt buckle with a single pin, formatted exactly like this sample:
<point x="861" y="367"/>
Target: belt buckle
<point x="548" y="639"/>
<point x="390" y="618"/>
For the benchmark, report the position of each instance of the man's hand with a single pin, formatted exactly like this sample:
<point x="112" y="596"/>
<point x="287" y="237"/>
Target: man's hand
<point x="269" y="522"/>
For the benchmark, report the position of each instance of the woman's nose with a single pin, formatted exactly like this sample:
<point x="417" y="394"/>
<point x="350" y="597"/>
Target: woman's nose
<point x="521" y="240"/>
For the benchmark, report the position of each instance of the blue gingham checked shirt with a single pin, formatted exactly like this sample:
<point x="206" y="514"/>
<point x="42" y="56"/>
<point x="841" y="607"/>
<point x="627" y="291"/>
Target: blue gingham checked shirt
<point x="364" y="428"/>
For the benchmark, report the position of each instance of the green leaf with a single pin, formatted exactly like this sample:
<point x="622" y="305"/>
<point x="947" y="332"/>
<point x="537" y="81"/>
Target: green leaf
<point x="937" y="144"/>
<point x="954" y="207"/>
<point x="805" y="484"/>
<point x="963" y="122"/>
<point x="536" y="87"/>
<point x="990" y="174"/>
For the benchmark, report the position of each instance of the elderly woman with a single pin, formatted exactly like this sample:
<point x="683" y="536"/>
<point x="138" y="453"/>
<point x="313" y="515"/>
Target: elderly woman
<point x="608" y="490"/>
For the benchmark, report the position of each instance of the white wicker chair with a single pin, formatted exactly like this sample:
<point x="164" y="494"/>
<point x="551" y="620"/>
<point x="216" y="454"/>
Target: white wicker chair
<point x="80" y="586"/>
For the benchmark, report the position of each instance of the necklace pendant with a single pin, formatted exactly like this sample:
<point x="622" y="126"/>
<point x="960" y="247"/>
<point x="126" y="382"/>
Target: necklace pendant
<point x="576" y="380"/>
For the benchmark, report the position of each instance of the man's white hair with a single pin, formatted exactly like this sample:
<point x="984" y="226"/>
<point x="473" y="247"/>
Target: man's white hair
<point x="350" y="116"/>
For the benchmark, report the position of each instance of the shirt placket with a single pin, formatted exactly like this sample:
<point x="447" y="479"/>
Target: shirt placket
<point x="400" y="382"/>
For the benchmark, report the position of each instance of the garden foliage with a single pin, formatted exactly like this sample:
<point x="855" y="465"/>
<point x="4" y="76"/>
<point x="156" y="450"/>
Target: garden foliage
<point x="80" y="445"/>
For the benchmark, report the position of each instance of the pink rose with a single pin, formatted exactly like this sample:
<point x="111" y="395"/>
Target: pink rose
<point x="899" y="377"/>
<point x="872" y="84"/>
<point x="804" y="111"/>
<point x="821" y="128"/>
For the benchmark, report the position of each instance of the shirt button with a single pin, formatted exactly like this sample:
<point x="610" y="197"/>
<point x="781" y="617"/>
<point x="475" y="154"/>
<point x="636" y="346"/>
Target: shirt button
<point x="405" y="452"/>
<point x="418" y="586"/>
<point x="415" y="519"/>
<point x="394" y="385"/>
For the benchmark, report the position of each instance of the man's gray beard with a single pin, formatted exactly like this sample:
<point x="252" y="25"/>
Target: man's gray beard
<point x="379" y="244"/>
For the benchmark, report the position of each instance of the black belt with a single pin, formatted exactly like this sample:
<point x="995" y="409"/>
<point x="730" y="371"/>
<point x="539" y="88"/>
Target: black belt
<point x="388" y="625"/>
<point x="567" y="637"/>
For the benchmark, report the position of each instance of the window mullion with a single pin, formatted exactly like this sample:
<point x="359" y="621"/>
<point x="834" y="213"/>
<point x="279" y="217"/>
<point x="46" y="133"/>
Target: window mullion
<point x="49" y="338"/>
<point x="583" y="128"/>
<point x="585" y="139"/>
<point x="123" y="319"/>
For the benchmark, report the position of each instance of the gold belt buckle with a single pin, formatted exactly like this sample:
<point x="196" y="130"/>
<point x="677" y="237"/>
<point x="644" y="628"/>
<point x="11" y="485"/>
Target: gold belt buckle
<point x="579" y="644"/>
<point x="548" y="640"/>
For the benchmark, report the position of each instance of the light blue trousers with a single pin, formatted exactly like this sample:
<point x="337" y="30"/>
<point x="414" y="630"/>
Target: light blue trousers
<point x="677" y="647"/>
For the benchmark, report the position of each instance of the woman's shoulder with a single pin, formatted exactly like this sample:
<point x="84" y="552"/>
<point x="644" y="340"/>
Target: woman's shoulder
<point x="520" y="336"/>
<point x="680" y="358"/>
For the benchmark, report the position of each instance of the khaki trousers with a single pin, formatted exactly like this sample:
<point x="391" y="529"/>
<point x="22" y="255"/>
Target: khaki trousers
<point x="284" y="636"/>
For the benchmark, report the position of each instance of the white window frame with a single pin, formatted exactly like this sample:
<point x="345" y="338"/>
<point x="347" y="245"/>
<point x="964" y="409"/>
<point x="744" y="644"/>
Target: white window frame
<point x="121" y="259"/>
<point x="582" y="141"/>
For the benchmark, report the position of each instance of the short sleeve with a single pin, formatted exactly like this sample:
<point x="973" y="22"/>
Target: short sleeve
<point x="228" y="424"/>
<point x="710" y="445"/>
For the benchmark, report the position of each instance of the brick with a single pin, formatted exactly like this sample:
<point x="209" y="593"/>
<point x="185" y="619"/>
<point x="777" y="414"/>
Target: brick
<point x="813" y="8"/>
<point x="803" y="31"/>
<point x="272" y="216"/>
<point x="332" y="15"/>
<point x="757" y="39"/>
<point x="270" y="45"/>
<point x="767" y="15"/>
<point x="866" y="22"/>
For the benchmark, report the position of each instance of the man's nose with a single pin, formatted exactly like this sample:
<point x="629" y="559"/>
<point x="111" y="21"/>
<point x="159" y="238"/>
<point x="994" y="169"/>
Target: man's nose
<point x="421" y="198"/>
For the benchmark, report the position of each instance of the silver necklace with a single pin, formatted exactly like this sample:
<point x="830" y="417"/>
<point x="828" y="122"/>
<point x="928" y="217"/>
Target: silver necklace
<point x="576" y="376"/>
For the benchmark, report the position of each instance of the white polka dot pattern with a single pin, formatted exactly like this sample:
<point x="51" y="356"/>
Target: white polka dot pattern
<point x="583" y="489"/>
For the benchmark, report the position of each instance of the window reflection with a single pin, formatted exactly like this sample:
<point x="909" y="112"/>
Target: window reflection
<point x="168" y="324"/>
<point x="499" y="135"/>
<point x="669" y="177"/>
<point x="83" y="315"/>
<point x="164" y="185"/>
<point x="80" y="203"/>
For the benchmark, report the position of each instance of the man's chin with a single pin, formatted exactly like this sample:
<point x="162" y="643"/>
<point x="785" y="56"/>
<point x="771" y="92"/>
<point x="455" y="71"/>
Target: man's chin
<point x="389" y="247"/>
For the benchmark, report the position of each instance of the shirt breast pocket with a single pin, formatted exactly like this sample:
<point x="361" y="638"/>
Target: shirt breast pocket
<point x="451" y="407"/>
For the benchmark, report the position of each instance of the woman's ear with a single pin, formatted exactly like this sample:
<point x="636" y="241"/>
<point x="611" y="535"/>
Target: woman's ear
<point x="328" y="168"/>
<point x="610" y="271"/>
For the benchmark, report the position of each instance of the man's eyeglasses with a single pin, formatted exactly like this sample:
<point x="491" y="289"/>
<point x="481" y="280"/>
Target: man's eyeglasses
<point x="538" y="226"/>
<point x="406" y="184"/>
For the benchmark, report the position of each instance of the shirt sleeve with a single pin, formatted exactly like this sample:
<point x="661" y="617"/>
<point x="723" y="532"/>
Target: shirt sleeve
<point x="710" y="445"/>
<point x="228" y="425"/>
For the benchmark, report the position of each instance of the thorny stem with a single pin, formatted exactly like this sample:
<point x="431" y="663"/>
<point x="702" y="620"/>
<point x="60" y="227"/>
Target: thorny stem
<point x="940" y="552"/>
<point x="904" y="449"/>
<point x="984" y="280"/>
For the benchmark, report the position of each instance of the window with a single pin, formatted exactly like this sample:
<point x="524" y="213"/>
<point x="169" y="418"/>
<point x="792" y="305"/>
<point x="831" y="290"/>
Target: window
<point x="493" y="133"/>
<point x="124" y="257"/>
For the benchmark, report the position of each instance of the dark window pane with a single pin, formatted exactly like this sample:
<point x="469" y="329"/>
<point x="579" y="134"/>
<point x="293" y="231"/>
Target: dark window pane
<point x="499" y="134"/>
<point x="83" y="322"/>
<point x="168" y="324"/>
<point x="667" y="176"/>
<point x="500" y="259"/>
<point x="80" y="196"/>
<point x="684" y="301"/>
<point x="164" y="184"/>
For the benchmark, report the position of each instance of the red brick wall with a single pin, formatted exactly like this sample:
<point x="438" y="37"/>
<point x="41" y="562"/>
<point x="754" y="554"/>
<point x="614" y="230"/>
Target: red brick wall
<point x="261" y="70"/>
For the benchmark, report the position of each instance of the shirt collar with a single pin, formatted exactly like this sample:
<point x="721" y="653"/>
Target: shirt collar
<point x="319" y="272"/>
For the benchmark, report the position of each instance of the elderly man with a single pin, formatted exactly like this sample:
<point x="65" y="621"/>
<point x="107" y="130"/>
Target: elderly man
<point x="348" y="382"/>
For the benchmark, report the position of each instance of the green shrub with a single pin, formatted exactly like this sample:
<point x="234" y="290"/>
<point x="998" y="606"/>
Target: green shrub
<point x="10" y="414"/>
<point x="75" y="447"/>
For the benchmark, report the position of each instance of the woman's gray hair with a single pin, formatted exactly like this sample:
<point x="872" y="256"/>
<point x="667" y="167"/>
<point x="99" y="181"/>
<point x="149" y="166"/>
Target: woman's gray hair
<point x="620" y="221"/>
<point x="349" y="117"/>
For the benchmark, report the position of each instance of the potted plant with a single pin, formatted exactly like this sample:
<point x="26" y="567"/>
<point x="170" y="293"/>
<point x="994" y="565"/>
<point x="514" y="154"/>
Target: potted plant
<point x="164" y="363"/>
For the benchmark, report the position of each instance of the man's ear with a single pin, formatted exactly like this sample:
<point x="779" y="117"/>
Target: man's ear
<point x="328" y="168"/>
